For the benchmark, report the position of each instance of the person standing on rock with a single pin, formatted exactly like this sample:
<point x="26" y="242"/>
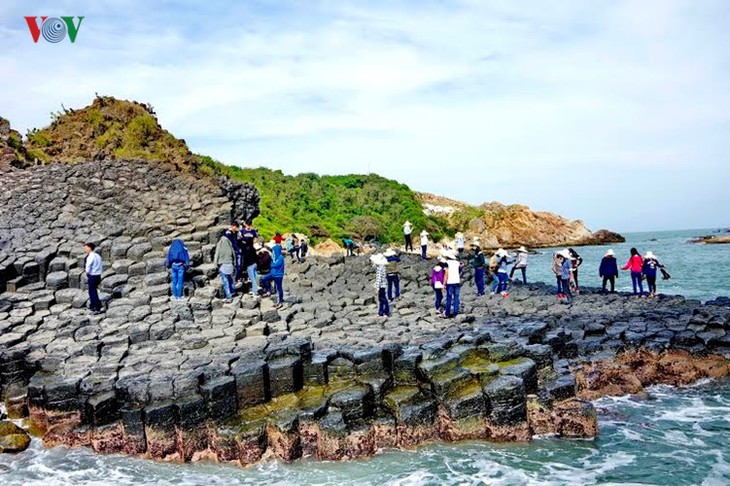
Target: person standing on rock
<point x="453" y="285"/>
<point x="520" y="264"/>
<point x="278" y="238"/>
<point x="248" y="240"/>
<point x="93" y="269"/>
<point x="558" y="272"/>
<point x="294" y="248"/>
<point x="493" y="267"/>
<point x="635" y="265"/>
<point x="234" y="236"/>
<point x="478" y="262"/>
<point x="178" y="262"/>
<point x="502" y="274"/>
<point x="392" y="273"/>
<point x="225" y="260"/>
<point x="303" y="248"/>
<point x="424" y="244"/>
<point x="278" y="264"/>
<point x="577" y="261"/>
<point x="460" y="242"/>
<point x="349" y="246"/>
<point x="566" y="269"/>
<point x="289" y="244"/>
<point x="649" y="268"/>
<point x="263" y="267"/>
<point x="407" y="230"/>
<point x="609" y="270"/>
<point x="381" y="282"/>
<point x="438" y="282"/>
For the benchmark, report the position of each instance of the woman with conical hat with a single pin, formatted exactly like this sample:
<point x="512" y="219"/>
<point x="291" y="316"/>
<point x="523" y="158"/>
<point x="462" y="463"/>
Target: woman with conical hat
<point x="424" y="244"/>
<point x="649" y="268"/>
<point x="520" y="264"/>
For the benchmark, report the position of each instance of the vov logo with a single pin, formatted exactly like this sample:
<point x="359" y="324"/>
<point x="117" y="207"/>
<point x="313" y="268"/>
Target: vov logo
<point x="53" y="29"/>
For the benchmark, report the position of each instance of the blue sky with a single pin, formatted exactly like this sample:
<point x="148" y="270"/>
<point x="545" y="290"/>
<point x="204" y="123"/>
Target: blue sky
<point x="613" y="112"/>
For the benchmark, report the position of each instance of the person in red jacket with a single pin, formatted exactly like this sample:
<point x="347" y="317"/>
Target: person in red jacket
<point x="635" y="265"/>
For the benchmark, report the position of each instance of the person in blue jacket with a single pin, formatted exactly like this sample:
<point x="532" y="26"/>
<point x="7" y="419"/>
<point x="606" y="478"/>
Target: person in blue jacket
<point x="609" y="270"/>
<point x="276" y="275"/>
<point x="178" y="261"/>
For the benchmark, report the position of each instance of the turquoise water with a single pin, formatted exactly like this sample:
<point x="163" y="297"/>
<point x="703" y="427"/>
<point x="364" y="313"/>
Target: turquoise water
<point x="698" y="271"/>
<point x="675" y="436"/>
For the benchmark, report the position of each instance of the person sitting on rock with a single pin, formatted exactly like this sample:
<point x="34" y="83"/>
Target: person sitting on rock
<point x="557" y="271"/>
<point x="278" y="264"/>
<point x="381" y="282"/>
<point x="234" y="236"/>
<point x="478" y="262"/>
<point x="93" y="270"/>
<point x="248" y="251"/>
<point x="263" y="268"/>
<point x="566" y="269"/>
<point x="520" y="264"/>
<point x="635" y="265"/>
<point x="649" y="269"/>
<point x="438" y="282"/>
<point x="424" y="244"/>
<point x="392" y="273"/>
<point x="453" y="285"/>
<point x="225" y="260"/>
<point x="178" y="262"/>
<point x="608" y="270"/>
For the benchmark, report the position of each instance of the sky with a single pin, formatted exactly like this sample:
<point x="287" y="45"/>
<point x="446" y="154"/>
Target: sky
<point x="613" y="112"/>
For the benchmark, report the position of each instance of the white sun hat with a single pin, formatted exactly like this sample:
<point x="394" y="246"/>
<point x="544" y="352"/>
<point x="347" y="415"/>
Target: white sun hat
<point x="610" y="252"/>
<point x="378" y="259"/>
<point x="565" y="254"/>
<point x="424" y="233"/>
<point x="650" y="255"/>
<point x="389" y="252"/>
<point x="522" y="249"/>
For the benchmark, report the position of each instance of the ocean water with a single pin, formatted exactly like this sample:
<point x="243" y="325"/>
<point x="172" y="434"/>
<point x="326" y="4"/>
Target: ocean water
<point x="698" y="271"/>
<point x="673" y="436"/>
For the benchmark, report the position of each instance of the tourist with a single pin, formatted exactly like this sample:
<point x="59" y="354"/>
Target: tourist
<point x="93" y="270"/>
<point x="493" y="267"/>
<point x="294" y="248"/>
<point x="649" y="269"/>
<point x="576" y="260"/>
<point x="381" y="282"/>
<point x="504" y="262"/>
<point x="460" y="242"/>
<point x="407" y="230"/>
<point x="453" y="285"/>
<point x="635" y="265"/>
<point x="558" y="272"/>
<point x="248" y="251"/>
<point x="478" y="262"/>
<point x="225" y="260"/>
<point x="608" y="270"/>
<point x="278" y="264"/>
<point x="349" y="246"/>
<point x="234" y="236"/>
<point x="289" y="244"/>
<point x="520" y="264"/>
<point x="438" y="282"/>
<point x="566" y="269"/>
<point x="278" y="239"/>
<point x="392" y="273"/>
<point x="303" y="248"/>
<point x="178" y="262"/>
<point x="263" y="266"/>
<point x="424" y="244"/>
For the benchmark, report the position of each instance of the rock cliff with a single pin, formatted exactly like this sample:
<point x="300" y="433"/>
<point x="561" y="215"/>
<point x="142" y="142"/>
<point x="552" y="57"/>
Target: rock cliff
<point x="498" y="225"/>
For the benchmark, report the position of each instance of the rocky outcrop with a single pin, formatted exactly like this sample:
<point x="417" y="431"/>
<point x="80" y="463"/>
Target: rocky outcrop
<point x="12" y="151"/>
<point x="501" y="226"/>
<point x="13" y="439"/>
<point x="712" y="239"/>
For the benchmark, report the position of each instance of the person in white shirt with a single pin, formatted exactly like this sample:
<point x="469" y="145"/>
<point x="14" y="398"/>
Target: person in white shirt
<point x="93" y="270"/>
<point x="424" y="244"/>
<point x="453" y="284"/>
<point x="407" y="230"/>
<point x="460" y="242"/>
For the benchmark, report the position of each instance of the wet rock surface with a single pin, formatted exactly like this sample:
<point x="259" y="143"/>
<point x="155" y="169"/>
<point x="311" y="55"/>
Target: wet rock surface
<point x="322" y="376"/>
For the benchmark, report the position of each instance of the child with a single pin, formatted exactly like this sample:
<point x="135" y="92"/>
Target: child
<point x="438" y="280"/>
<point x="635" y="265"/>
<point x="381" y="283"/>
<point x="608" y="270"/>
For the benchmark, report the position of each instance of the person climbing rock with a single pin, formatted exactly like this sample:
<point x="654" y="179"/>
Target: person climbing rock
<point x="381" y="282"/>
<point x="438" y="282"/>
<point x="248" y="253"/>
<point x="478" y="263"/>
<point x="576" y="261"/>
<point x="93" y="268"/>
<point x="178" y="262"/>
<point x="393" y="274"/>
<point x="608" y="270"/>
<point x="424" y="244"/>
<point x="520" y="264"/>
<point x="278" y="264"/>
<point x="225" y="260"/>
<point x="635" y="265"/>
<point x="649" y="269"/>
<point x="407" y="230"/>
<point x="453" y="285"/>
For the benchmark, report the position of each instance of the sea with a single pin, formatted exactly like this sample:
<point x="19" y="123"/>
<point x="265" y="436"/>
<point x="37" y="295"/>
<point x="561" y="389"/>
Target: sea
<point x="669" y="436"/>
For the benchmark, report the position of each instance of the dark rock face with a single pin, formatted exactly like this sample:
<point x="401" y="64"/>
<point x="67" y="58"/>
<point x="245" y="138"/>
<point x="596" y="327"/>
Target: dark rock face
<point x="244" y="199"/>
<point x="321" y="376"/>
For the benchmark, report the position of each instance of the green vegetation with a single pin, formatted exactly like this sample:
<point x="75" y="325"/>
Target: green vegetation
<point x="363" y="206"/>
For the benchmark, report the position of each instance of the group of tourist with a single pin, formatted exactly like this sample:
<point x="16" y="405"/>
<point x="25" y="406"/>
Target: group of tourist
<point x="640" y="268"/>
